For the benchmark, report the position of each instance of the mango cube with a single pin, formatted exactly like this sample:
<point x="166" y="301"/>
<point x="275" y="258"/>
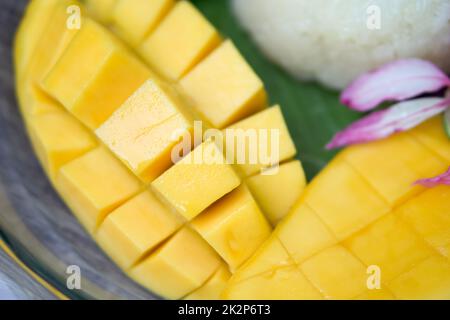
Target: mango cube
<point x="143" y="131"/>
<point x="30" y="32"/>
<point x="223" y="87"/>
<point x="357" y="203"/>
<point x="183" y="264"/>
<point x="389" y="244"/>
<point x="277" y="189"/>
<point x="183" y="39"/>
<point x="428" y="215"/>
<point x="53" y="41"/>
<point x="428" y="280"/>
<point x="336" y="273"/>
<point x="95" y="75"/>
<point x="59" y="138"/>
<point x="234" y="226"/>
<point x="270" y="256"/>
<point x="39" y="103"/>
<point x="432" y="135"/>
<point x="258" y="142"/>
<point x="407" y="158"/>
<point x="213" y="288"/>
<point x="196" y="181"/>
<point x="135" y="228"/>
<point x="94" y="185"/>
<point x="303" y="234"/>
<point x="286" y="283"/>
<point x="134" y="19"/>
<point x="101" y="10"/>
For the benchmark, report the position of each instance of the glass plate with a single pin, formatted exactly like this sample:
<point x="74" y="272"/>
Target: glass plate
<point x="40" y="229"/>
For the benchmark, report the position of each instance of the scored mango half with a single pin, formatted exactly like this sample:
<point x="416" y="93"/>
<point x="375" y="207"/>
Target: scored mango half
<point x="362" y="230"/>
<point x="108" y="104"/>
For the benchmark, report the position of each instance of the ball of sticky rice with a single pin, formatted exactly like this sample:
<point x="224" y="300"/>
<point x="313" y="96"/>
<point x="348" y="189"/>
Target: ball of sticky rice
<point x="334" y="41"/>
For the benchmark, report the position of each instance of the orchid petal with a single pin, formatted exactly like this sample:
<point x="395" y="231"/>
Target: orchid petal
<point x="381" y="124"/>
<point x="443" y="179"/>
<point x="395" y="81"/>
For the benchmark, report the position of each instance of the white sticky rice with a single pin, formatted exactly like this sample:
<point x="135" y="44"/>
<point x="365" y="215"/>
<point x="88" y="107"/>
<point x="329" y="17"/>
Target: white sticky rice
<point x="334" y="41"/>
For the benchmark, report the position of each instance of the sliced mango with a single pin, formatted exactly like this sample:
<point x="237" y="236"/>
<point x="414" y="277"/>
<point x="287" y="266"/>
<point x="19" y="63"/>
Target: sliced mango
<point x="277" y="189"/>
<point x="213" y="288"/>
<point x="336" y="273"/>
<point x="389" y="244"/>
<point x="179" y="267"/>
<point x="428" y="215"/>
<point x="30" y="32"/>
<point x="102" y="10"/>
<point x="40" y="103"/>
<point x="84" y="77"/>
<point x="431" y="135"/>
<point x="410" y="161"/>
<point x="135" y="228"/>
<point x="304" y="234"/>
<point x="223" y="88"/>
<point x="286" y="283"/>
<point x="54" y="40"/>
<point x="356" y="201"/>
<point x="198" y="180"/>
<point x="144" y="130"/>
<point x="135" y="19"/>
<point x="234" y="226"/>
<point x="260" y="141"/>
<point x="430" y="279"/>
<point x="59" y="138"/>
<point x="270" y="256"/>
<point x="95" y="184"/>
<point x="183" y="39"/>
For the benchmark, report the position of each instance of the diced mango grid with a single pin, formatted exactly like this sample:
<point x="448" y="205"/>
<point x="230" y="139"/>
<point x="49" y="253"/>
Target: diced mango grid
<point x="425" y="250"/>
<point x="93" y="147"/>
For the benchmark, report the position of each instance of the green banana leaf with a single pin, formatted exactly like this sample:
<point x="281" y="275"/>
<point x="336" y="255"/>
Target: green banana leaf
<point x="313" y="113"/>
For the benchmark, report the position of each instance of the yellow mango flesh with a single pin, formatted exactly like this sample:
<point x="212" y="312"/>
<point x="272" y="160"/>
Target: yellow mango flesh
<point x="79" y="79"/>
<point x="271" y="255"/>
<point x="183" y="39"/>
<point x="40" y="103"/>
<point x="298" y="259"/>
<point x="92" y="190"/>
<point x="58" y="138"/>
<point x="430" y="279"/>
<point x="428" y="215"/>
<point x="409" y="160"/>
<point x="213" y="288"/>
<point x="263" y="139"/>
<point x="278" y="189"/>
<point x="55" y="39"/>
<point x="234" y="226"/>
<point x="144" y="130"/>
<point x="135" y="228"/>
<point x="224" y="80"/>
<point x="101" y="10"/>
<point x="93" y="63"/>
<point x="134" y="19"/>
<point x="183" y="264"/>
<point x="29" y="33"/>
<point x="203" y="170"/>
<point x="346" y="222"/>
<point x="336" y="273"/>
<point x="304" y="234"/>
<point x="287" y="283"/>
